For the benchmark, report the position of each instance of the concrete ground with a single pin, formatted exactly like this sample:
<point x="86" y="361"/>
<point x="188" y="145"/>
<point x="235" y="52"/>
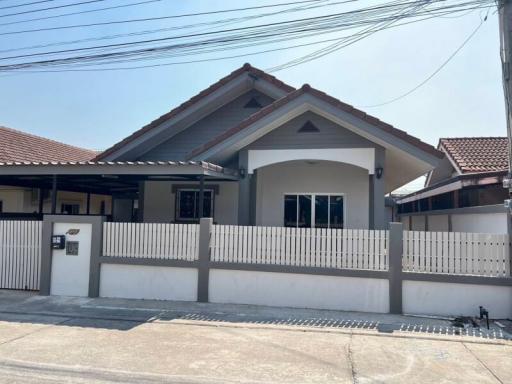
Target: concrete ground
<point x="59" y="339"/>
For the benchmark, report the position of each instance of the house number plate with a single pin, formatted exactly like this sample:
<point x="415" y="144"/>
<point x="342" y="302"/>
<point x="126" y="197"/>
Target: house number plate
<point x="72" y="248"/>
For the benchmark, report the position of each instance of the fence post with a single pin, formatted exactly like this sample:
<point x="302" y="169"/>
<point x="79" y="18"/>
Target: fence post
<point x="395" y="251"/>
<point x="203" y="274"/>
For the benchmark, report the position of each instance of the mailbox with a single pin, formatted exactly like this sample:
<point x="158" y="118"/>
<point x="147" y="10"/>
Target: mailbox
<point x="58" y="242"/>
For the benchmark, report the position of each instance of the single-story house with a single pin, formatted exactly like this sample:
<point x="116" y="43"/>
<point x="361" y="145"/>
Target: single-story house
<point x="464" y="193"/>
<point x="248" y="150"/>
<point x="25" y="201"/>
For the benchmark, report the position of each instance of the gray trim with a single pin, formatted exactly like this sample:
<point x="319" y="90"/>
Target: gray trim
<point x="148" y="262"/>
<point x="175" y="187"/>
<point x="395" y="250"/>
<point x="244" y="190"/>
<point x="457" y="279"/>
<point x="301" y="270"/>
<point x="495" y="208"/>
<point x="141" y="196"/>
<point x="371" y="209"/>
<point x="379" y="191"/>
<point x="46" y="250"/>
<point x="203" y="273"/>
<point x="146" y="169"/>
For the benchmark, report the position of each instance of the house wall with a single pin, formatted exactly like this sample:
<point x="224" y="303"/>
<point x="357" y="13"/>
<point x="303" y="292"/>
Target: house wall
<point x="330" y="135"/>
<point x="275" y="181"/>
<point x="460" y="222"/>
<point x="207" y="128"/>
<point x="160" y="201"/>
<point x="26" y="200"/>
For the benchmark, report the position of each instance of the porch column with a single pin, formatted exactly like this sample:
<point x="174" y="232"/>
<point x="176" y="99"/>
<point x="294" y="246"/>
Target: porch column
<point x="244" y="190"/>
<point x="88" y="204"/>
<point x="140" y="212"/>
<point x="377" y="202"/>
<point x="54" y="195"/>
<point x="41" y="200"/>
<point x="201" y="196"/>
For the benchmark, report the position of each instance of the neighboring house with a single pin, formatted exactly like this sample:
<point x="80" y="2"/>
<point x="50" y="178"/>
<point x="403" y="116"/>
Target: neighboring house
<point x="464" y="193"/>
<point x="24" y="200"/>
<point x="250" y="150"/>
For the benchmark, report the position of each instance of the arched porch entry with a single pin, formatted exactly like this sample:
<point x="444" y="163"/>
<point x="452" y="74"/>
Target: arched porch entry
<point x="330" y="188"/>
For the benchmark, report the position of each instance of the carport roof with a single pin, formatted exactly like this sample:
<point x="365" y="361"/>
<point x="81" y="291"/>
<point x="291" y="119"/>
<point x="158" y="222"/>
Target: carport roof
<point x="144" y="168"/>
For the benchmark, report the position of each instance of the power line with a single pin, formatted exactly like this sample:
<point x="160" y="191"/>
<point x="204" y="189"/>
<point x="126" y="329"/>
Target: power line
<point x="51" y="8"/>
<point x="145" y="19"/>
<point x="377" y="19"/>
<point x="439" y="69"/>
<point x="26" y="4"/>
<point x="79" y="13"/>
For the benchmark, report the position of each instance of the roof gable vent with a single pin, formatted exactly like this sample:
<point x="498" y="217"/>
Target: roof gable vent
<point x="308" y="127"/>
<point x="253" y="103"/>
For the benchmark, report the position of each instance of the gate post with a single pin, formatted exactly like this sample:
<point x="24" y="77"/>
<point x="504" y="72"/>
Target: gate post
<point x="395" y="251"/>
<point x="203" y="273"/>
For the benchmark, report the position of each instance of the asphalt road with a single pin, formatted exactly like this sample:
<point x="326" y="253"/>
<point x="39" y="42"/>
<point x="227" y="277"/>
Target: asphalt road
<point x="113" y="344"/>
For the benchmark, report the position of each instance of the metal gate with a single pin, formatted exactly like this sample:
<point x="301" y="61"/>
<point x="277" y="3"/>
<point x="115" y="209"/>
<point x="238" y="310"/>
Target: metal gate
<point x="20" y="254"/>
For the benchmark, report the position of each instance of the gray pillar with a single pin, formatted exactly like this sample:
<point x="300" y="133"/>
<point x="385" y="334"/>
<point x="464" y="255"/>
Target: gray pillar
<point x="244" y="190"/>
<point x="252" y="197"/>
<point x="203" y="276"/>
<point x="140" y="212"/>
<point x="54" y="195"/>
<point x="395" y="250"/>
<point x="378" y="191"/>
<point x="41" y="200"/>
<point x="201" y="196"/>
<point x="88" y="204"/>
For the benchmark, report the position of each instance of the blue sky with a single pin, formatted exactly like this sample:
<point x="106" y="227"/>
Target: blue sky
<point x="96" y="109"/>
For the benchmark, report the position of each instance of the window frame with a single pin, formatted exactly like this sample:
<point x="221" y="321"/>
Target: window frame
<point x="177" y="213"/>
<point x="313" y="207"/>
<point x="74" y="203"/>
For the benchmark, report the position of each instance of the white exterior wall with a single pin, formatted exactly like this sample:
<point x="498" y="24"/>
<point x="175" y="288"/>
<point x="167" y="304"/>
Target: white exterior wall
<point x="277" y="180"/>
<point x="448" y="299"/>
<point x="300" y="291"/>
<point x="438" y="223"/>
<point x="159" y="201"/>
<point x="480" y="223"/>
<point x="148" y="282"/>
<point x="70" y="274"/>
<point x="418" y="223"/>
<point x="23" y="200"/>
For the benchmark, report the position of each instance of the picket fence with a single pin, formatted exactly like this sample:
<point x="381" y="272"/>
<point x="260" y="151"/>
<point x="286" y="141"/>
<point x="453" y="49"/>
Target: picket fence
<point x="456" y="253"/>
<point x="305" y="247"/>
<point x="20" y="254"/>
<point x="151" y="240"/>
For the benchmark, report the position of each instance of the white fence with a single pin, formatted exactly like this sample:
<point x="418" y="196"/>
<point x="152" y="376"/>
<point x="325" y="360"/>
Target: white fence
<point x="456" y="253"/>
<point x="20" y="254"/>
<point x="155" y="241"/>
<point x="306" y="247"/>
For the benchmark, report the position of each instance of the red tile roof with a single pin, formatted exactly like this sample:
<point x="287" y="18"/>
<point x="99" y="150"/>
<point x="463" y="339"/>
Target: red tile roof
<point x="17" y="146"/>
<point x="306" y="88"/>
<point x="477" y="154"/>
<point x="212" y="88"/>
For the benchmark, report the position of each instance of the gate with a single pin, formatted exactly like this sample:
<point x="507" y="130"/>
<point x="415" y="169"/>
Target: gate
<point x="20" y="254"/>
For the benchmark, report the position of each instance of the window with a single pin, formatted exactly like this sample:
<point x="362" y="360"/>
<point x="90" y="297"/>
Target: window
<point x="187" y="204"/>
<point x="70" y="209"/>
<point x="313" y="211"/>
<point x="1" y="206"/>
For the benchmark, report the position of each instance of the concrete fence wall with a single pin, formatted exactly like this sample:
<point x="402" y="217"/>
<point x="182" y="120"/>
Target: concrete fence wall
<point x="225" y="280"/>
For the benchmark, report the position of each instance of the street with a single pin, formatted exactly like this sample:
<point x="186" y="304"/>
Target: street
<point x="48" y="340"/>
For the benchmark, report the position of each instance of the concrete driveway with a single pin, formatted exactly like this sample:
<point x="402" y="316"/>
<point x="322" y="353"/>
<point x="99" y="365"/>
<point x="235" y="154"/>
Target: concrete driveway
<point x="48" y="340"/>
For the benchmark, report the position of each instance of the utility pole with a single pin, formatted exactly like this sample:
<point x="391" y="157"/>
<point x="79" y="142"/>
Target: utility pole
<point x="505" y="19"/>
